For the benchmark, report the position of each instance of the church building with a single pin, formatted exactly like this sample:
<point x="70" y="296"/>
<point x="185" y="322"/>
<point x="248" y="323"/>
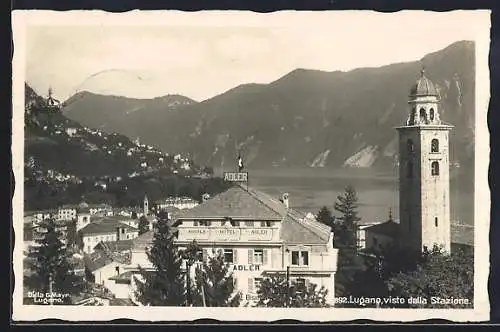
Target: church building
<point x="424" y="171"/>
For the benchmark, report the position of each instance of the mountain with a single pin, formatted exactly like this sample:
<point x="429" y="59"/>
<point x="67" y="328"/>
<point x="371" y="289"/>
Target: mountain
<point x="119" y="114"/>
<point x="56" y="144"/>
<point x="308" y="118"/>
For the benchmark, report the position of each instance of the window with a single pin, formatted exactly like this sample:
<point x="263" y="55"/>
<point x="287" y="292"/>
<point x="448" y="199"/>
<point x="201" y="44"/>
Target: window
<point x="257" y="282"/>
<point x="436" y="221"/>
<point x="413" y="114"/>
<point x="204" y="223"/>
<point x="434" y="145"/>
<point x="435" y="168"/>
<point x="229" y="255"/>
<point x="305" y="258"/>
<point x="258" y="255"/>
<point x="300" y="282"/>
<point x="410" y="145"/>
<point x="123" y="230"/>
<point x="300" y="258"/>
<point x="410" y="169"/>
<point x="117" y="270"/>
<point x="265" y="224"/>
<point x="249" y="223"/>
<point x="234" y="223"/>
<point x="431" y="114"/>
<point x="423" y="116"/>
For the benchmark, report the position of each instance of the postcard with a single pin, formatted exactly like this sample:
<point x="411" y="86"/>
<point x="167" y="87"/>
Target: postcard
<point x="239" y="166"/>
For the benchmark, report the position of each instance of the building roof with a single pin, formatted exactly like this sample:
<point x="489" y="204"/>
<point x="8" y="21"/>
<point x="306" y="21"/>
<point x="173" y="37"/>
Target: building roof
<point x="116" y="245"/>
<point x="105" y="225"/>
<point x="462" y="234"/>
<point x="96" y="261"/>
<point x="423" y="87"/>
<point x="388" y="228"/>
<point x="125" y="276"/>
<point x="144" y="240"/>
<point x="246" y="203"/>
<point x="236" y="202"/>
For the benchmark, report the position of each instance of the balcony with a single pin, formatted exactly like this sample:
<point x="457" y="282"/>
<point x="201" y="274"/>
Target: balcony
<point x="228" y="234"/>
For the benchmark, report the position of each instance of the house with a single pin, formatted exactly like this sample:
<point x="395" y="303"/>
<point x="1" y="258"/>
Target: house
<point x="71" y="131"/>
<point x="103" y="267"/>
<point x="381" y="235"/>
<point x="180" y="203"/>
<point x="67" y="212"/>
<point x="257" y="235"/>
<point x="105" y="229"/>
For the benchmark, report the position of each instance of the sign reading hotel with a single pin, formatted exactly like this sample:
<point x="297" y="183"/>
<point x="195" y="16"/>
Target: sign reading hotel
<point x="236" y="176"/>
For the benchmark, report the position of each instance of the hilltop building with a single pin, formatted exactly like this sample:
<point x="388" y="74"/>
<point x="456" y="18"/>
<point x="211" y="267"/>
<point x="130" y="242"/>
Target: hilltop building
<point x="180" y="203"/>
<point x="258" y="235"/>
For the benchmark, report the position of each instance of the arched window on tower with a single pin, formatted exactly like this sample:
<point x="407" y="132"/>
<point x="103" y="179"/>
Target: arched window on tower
<point x="413" y="114"/>
<point x="435" y="168"/>
<point x="431" y="114"/>
<point x="410" y="145"/>
<point x="410" y="169"/>
<point x="436" y="221"/>
<point x="435" y="145"/>
<point x="423" y="116"/>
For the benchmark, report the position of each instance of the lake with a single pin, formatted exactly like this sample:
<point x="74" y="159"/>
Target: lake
<point x="310" y="189"/>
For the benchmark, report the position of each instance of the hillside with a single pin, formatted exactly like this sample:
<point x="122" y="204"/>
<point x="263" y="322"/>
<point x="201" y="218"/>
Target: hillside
<point x="65" y="161"/>
<point x="118" y="114"/>
<point x="311" y="118"/>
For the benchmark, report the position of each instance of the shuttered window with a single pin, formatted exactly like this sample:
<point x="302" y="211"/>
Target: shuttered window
<point x="264" y="257"/>
<point x="250" y="256"/>
<point x="250" y="286"/>
<point x="205" y="255"/>
<point x="258" y="256"/>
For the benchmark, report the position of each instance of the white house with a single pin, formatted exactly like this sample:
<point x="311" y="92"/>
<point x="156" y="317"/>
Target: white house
<point x="106" y="229"/>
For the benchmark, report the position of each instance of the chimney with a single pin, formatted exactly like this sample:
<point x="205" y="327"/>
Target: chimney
<point x="284" y="200"/>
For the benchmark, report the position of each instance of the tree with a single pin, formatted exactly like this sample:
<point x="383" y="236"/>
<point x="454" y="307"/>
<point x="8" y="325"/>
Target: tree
<point x="215" y="284"/>
<point x="345" y="228"/>
<point x="164" y="285"/>
<point x="143" y="225"/>
<point x="325" y="216"/>
<point x="438" y="275"/>
<point x="51" y="265"/>
<point x="274" y="291"/>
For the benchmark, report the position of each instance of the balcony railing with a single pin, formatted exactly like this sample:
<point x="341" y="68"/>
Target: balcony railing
<point x="228" y="234"/>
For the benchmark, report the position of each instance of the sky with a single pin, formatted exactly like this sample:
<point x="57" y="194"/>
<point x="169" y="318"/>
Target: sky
<point x="200" y="55"/>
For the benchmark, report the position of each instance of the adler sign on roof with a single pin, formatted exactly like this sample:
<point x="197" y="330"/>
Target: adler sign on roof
<point x="236" y="176"/>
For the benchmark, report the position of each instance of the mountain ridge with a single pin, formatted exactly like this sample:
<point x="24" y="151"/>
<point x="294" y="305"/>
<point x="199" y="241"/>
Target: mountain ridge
<point x="294" y="120"/>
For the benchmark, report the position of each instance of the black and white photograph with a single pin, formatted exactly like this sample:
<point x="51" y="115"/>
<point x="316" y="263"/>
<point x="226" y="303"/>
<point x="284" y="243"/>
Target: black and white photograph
<point x="258" y="164"/>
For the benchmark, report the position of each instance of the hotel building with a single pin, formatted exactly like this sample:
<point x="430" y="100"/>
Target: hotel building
<point x="258" y="235"/>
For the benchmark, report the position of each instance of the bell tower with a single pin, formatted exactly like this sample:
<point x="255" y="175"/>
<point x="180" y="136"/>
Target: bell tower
<point x="424" y="171"/>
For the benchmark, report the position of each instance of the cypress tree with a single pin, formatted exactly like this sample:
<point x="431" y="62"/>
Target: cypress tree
<point x="51" y="266"/>
<point x="164" y="285"/>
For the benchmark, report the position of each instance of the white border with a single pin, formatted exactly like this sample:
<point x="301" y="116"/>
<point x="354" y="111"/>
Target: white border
<point x="20" y="20"/>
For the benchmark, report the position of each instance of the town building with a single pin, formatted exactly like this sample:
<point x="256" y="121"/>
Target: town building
<point x="258" y="235"/>
<point x="424" y="171"/>
<point x="180" y="203"/>
<point x="106" y="229"/>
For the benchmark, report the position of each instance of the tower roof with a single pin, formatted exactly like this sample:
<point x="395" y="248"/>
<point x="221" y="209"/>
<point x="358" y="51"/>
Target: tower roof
<point x="423" y="87"/>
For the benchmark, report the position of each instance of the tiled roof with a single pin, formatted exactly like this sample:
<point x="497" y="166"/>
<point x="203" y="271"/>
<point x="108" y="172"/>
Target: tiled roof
<point x="235" y="202"/>
<point x="294" y="231"/>
<point x="143" y="240"/>
<point x="389" y="228"/>
<point x="116" y="245"/>
<point x="126" y="276"/>
<point x="462" y="234"/>
<point x="105" y="226"/>
<point x="96" y="261"/>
